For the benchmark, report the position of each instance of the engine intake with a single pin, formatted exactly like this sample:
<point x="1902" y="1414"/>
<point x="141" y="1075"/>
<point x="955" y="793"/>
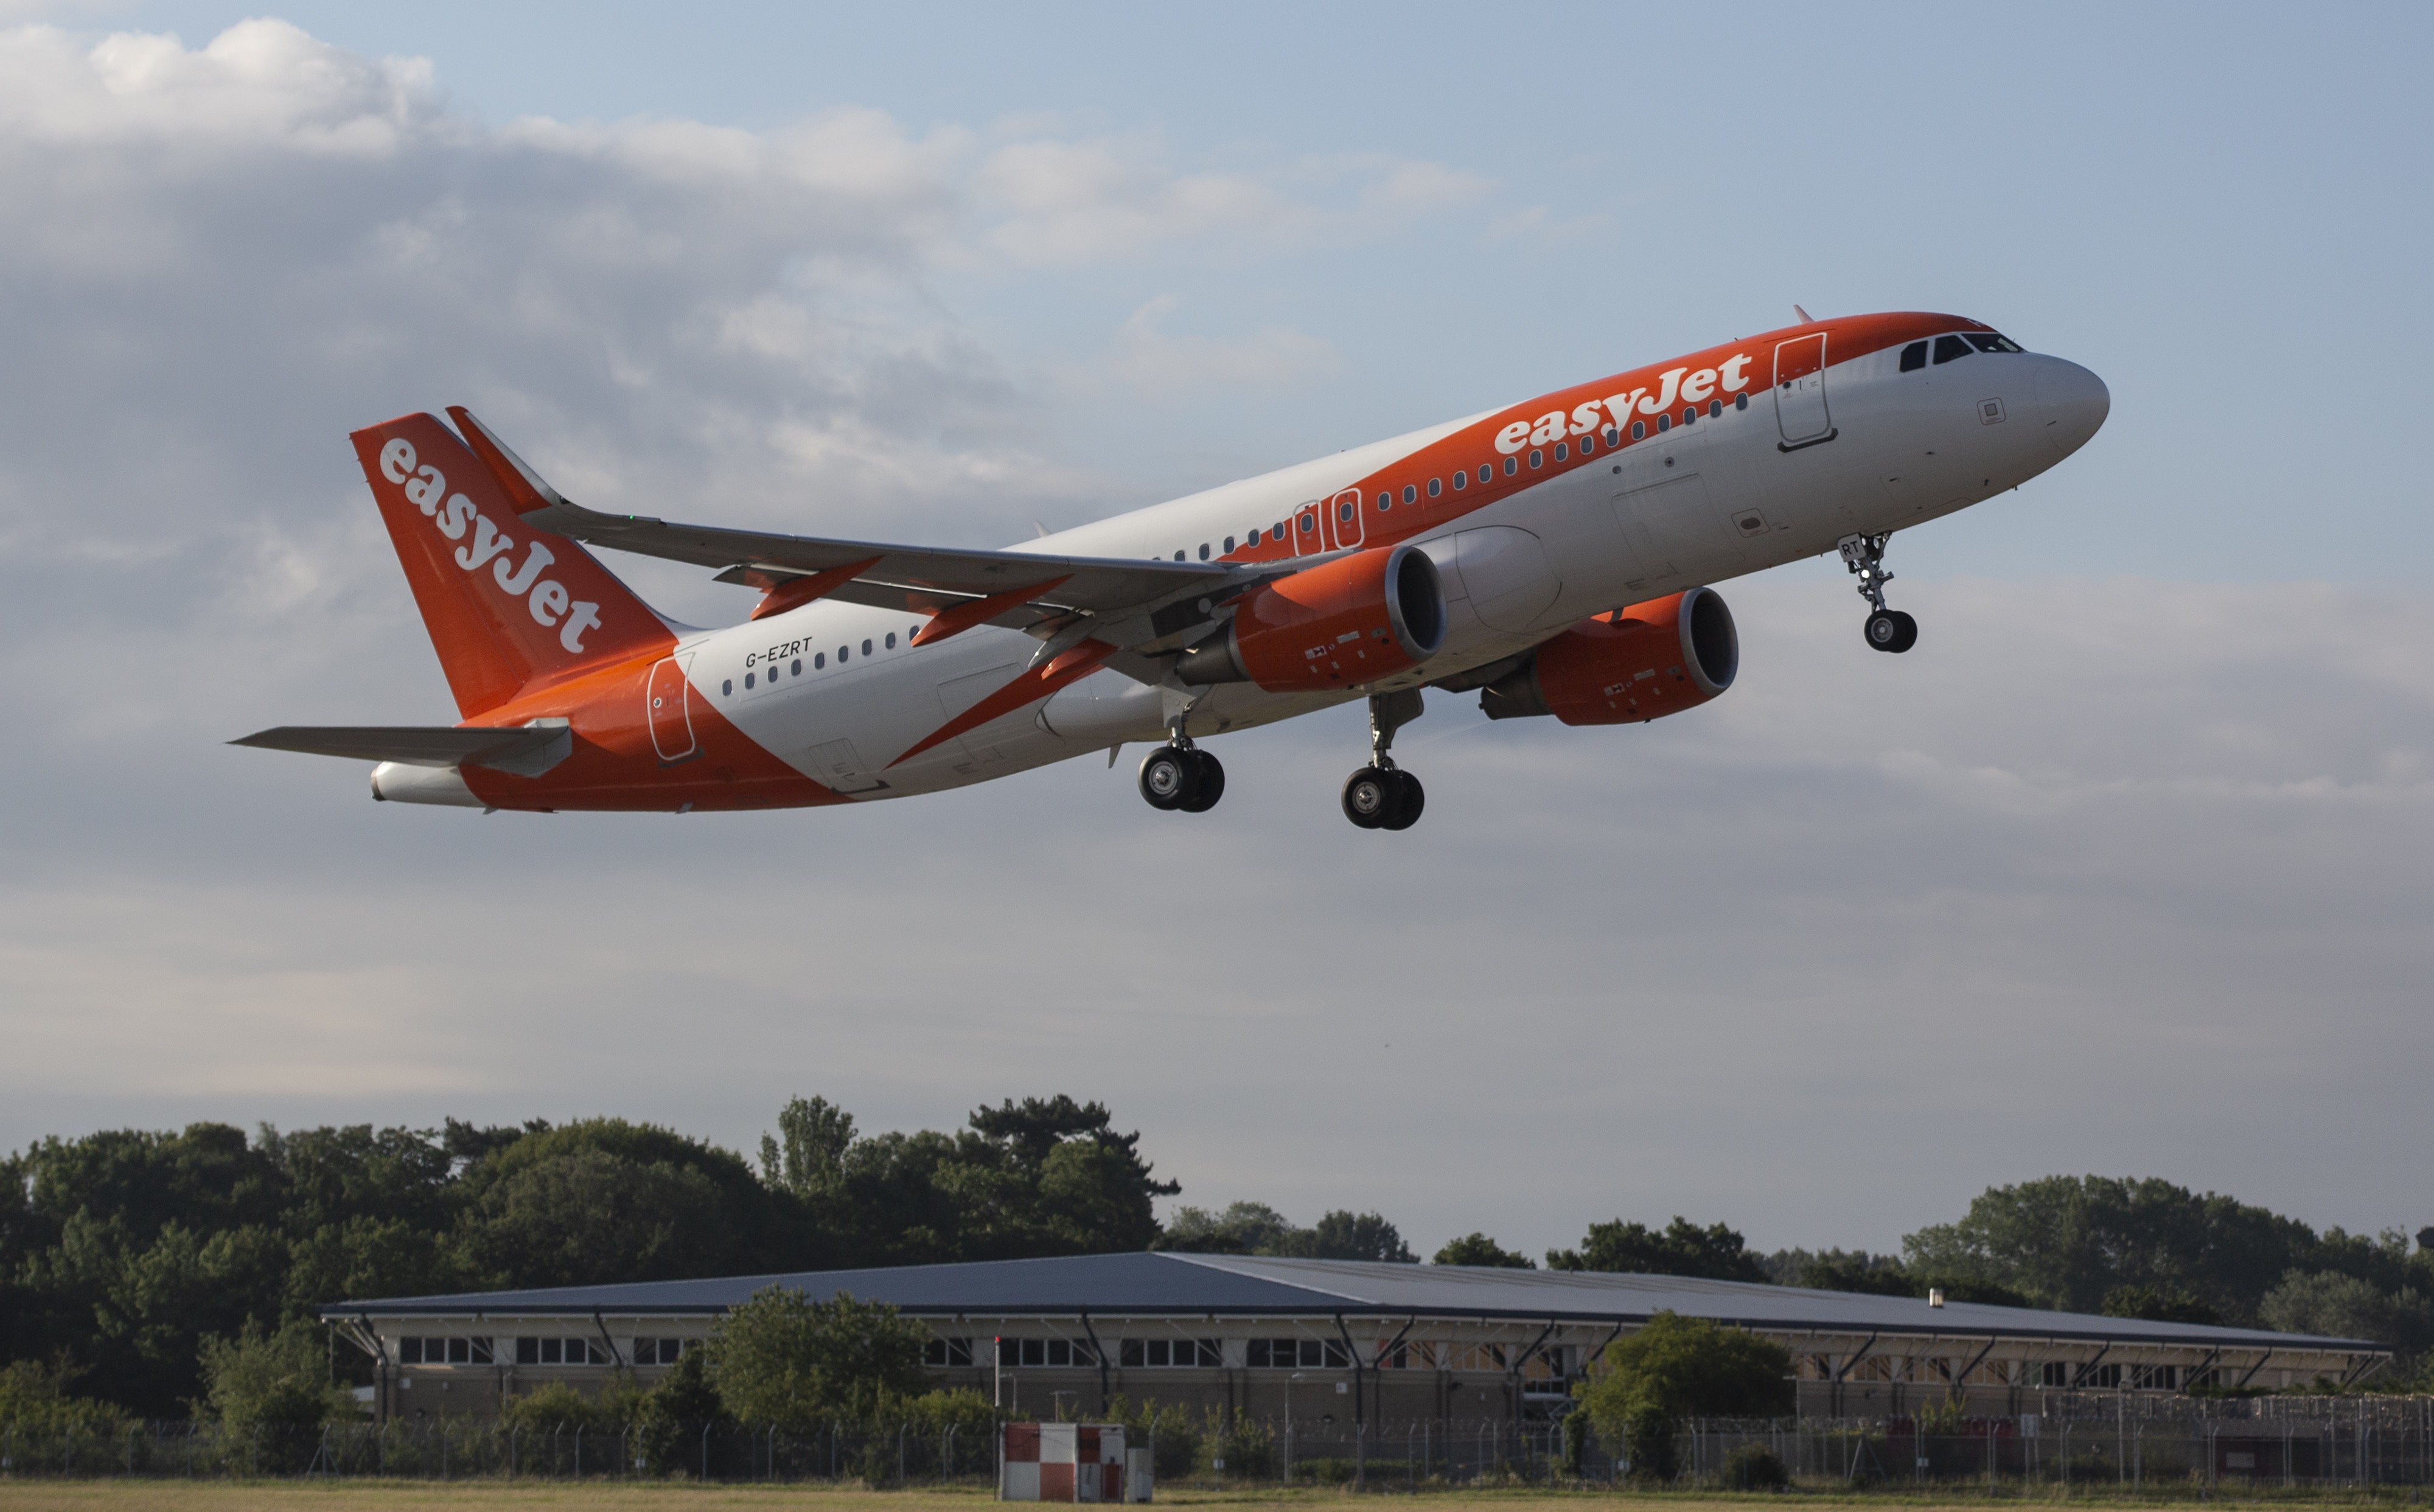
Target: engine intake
<point x="1346" y="622"/>
<point x="1626" y="667"/>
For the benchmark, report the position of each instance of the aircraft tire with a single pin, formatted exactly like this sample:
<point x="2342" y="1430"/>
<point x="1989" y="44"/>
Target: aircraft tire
<point x="1890" y="629"/>
<point x="1409" y="798"/>
<point x="1168" y="778"/>
<point x="1369" y="797"/>
<point x="1208" y="783"/>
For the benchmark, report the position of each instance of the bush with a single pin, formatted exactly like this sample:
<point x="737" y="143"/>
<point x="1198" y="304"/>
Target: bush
<point x="675" y="1412"/>
<point x="1246" y="1447"/>
<point x="1675" y="1368"/>
<point x="272" y="1378"/>
<point x="34" y="1399"/>
<point x="547" y="1408"/>
<point x="782" y="1358"/>
<point x="1170" y="1430"/>
<point x="1754" y="1467"/>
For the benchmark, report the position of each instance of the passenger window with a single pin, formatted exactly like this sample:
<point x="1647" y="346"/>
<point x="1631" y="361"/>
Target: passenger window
<point x="891" y="640"/>
<point x="1512" y="465"/>
<point x="1638" y="429"/>
<point x="843" y="653"/>
<point x="1276" y="531"/>
<point x="1914" y="356"/>
<point x="1178" y="556"/>
<point x="1537" y="459"/>
<point x="1613" y="436"/>
<point x="865" y="648"/>
<point x="1690" y="415"/>
<point x="796" y="668"/>
<point x="1409" y="494"/>
<point x="819" y="661"/>
<point x="1204" y="556"/>
<point x="747" y="679"/>
<point x="1309" y="522"/>
<point x="1740" y="400"/>
<point x="1588" y="444"/>
<point x="727" y="687"/>
<point x="1230" y="545"/>
<point x="1715" y="408"/>
<point x="1461" y="478"/>
<point x="1664" y="424"/>
<point x="1562" y="450"/>
<point x="1948" y="348"/>
<point x="1989" y="341"/>
<point x="1436" y="488"/>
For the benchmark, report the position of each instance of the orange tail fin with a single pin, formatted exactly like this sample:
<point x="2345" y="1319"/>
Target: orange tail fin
<point x="507" y="606"/>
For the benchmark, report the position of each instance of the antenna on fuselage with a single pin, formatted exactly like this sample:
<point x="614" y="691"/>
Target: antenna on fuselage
<point x="1806" y="318"/>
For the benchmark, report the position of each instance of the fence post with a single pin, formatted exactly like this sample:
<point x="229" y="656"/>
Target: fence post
<point x="901" y="1430"/>
<point x="705" y="1452"/>
<point x="578" y="1451"/>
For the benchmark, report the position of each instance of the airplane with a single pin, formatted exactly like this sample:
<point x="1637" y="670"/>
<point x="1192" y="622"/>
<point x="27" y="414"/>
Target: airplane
<point x="1554" y="557"/>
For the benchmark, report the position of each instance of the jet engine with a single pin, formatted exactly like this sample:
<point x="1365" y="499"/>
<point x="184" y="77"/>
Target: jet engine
<point x="1349" y="621"/>
<point x="1626" y="667"/>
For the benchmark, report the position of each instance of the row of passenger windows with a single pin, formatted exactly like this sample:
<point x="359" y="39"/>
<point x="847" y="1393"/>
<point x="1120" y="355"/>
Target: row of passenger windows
<point x="1307" y="520"/>
<point x="819" y="663"/>
<point x="1915" y="356"/>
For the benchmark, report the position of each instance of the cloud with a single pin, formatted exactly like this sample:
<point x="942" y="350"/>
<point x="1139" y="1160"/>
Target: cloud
<point x="1149" y="355"/>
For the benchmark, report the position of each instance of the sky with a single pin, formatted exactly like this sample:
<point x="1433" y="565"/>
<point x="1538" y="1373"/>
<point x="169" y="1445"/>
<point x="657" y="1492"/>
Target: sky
<point x="2124" y="869"/>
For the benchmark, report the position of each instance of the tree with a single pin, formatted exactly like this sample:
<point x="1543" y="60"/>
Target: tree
<point x="782" y="1358"/>
<point x="1684" y="1249"/>
<point x="1346" y="1236"/>
<point x="673" y="1414"/>
<point x="1671" y="1369"/>
<point x="280" y="1378"/>
<point x="34" y="1399"/>
<point x="2349" y="1307"/>
<point x="807" y="1156"/>
<point x="2157" y="1305"/>
<point x="1475" y="1248"/>
<point x="2065" y="1241"/>
<point x="1240" y="1228"/>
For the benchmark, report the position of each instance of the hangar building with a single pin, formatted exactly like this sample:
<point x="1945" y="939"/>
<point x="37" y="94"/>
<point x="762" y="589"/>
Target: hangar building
<point x="1350" y="1340"/>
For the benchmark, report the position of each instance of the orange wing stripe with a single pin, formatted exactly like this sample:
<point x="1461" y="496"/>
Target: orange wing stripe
<point x="1030" y="687"/>
<point x="796" y="591"/>
<point x="958" y="618"/>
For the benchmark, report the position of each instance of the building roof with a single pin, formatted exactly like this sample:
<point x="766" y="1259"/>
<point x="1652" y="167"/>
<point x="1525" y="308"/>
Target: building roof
<point x="1243" y="1286"/>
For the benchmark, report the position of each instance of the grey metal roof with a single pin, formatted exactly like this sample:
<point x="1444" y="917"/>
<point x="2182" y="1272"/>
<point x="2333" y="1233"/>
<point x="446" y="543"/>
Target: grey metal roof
<point x="1255" y="1286"/>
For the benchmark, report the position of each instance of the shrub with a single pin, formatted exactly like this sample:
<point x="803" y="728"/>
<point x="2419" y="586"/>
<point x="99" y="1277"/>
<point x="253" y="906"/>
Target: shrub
<point x="1246" y="1447"/>
<point x="272" y="1378"/>
<point x="1170" y="1430"/>
<point x="782" y="1358"/>
<point x="1675" y="1368"/>
<point x="34" y="1399"/>
<point x="1754" y="1467"/>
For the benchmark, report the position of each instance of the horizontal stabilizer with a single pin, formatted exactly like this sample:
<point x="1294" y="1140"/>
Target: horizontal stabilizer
<point x="526" y="750"/>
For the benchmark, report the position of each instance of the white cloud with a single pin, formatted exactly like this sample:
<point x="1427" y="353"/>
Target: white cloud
<point x="1149" y="355"/>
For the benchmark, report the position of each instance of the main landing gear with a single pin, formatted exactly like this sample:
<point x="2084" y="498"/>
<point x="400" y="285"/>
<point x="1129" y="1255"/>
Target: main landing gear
<point x="1179" y="775"/>
<point x="1382" y="795"/>
<point x="1888" y="629"/>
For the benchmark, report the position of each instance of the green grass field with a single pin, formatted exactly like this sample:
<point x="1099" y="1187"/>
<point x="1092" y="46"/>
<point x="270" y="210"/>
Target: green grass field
<point x="481" y="1496"/>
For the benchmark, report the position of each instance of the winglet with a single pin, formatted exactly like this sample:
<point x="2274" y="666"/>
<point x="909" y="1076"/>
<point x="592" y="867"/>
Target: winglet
<point x="1806" y="318"/>
<point x="525" y="488"/>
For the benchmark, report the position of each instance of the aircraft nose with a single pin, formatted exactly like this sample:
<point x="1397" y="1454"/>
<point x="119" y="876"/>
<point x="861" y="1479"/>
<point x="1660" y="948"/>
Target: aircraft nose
<point x="2075" y="401"/>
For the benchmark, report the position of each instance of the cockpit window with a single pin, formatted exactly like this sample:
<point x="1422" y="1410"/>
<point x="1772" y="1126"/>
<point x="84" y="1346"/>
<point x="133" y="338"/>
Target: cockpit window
<point x="1948" y="348"/>
<point x="1914" y="356"/>
<point x="1989" y="341"/>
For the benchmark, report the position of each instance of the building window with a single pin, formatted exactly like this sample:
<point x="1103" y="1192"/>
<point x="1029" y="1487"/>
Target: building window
<point x="658" y="1351"/>
<point x="2053" y="1373"/>
<point x="1051" y="1354"/>
<point x="1299" y="1354"/>
<point x="944" y="1352"/>
<point x="1157" y="1354"/>
<point x="426" y="1350"/>
<point x="559" y="1351"/>
<point x="2156" y="1377"/>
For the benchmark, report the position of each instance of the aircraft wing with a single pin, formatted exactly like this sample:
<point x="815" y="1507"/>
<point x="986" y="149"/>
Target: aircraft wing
<point x="506" y="747"/>
<point x="1016" y="589"/>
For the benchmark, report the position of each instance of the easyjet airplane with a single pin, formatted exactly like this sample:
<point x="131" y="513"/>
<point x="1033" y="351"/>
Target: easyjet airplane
<point x="1551" y="556"/>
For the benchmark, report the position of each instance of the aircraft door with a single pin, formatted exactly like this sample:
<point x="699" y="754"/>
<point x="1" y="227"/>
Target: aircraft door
<point x="1800" y="410"/>
<point x="667" y="698"/>
<point x="1345" y="518"/>
<point x="1309" y="527"/>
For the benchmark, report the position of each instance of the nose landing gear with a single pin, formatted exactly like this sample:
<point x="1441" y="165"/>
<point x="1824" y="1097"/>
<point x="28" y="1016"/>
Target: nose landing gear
<point x="1382" y="795"/>
<point x="1888" y="629"/>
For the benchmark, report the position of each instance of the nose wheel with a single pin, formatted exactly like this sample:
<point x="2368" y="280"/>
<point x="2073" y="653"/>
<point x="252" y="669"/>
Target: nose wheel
<point x="1887" y="630"/>
<point x="1382" y="795"/>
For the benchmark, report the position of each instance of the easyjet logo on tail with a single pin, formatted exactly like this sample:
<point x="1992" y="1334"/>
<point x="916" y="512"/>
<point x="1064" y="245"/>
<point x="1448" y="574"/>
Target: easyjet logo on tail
<point x="546" y="598"/>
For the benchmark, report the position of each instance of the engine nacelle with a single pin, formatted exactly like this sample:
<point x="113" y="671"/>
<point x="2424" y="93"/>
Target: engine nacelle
<point x="1349" y="621"/>
<point x="1626" y="667"/>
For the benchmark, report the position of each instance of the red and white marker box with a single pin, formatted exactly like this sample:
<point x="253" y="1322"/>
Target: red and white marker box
<point x="1070" y="1462"/>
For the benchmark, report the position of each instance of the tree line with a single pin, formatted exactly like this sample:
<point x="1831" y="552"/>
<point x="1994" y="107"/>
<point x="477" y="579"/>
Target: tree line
<point x="137" y="1267"/>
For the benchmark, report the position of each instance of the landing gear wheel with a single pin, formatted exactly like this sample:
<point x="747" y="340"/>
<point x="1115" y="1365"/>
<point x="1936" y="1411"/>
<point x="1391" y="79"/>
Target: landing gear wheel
<point x="1369" y="796"/>
<point x="1209" y="782"/>
<point x="1169" y="777"/>
<point x="1890" y="629"/>
<point x="1409" y="798"/>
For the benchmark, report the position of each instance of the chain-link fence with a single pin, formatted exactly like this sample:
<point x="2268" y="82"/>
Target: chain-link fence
<point x="2092" y="1441"/>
